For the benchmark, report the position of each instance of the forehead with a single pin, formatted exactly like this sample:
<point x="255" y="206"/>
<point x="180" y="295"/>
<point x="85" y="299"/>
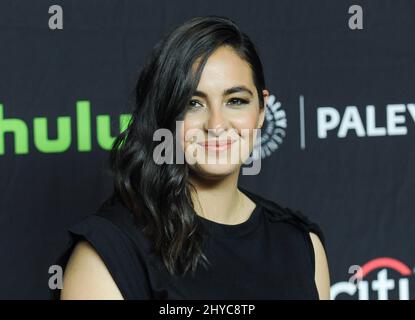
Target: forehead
<point x="224" y="68"/>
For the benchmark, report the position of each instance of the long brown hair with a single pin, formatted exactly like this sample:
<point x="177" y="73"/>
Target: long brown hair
<point x="159" y="195"/>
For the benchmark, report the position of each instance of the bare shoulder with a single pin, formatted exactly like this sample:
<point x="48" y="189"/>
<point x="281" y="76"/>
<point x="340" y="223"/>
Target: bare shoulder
<point x="322" y="275"/>
<point x="86" y="276"/>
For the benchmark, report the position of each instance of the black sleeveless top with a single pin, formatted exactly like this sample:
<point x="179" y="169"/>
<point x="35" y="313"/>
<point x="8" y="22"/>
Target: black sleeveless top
<point x="268" y="256"/>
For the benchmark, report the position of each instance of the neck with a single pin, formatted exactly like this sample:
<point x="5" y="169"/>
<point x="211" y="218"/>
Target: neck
<point x="219" y="200"/>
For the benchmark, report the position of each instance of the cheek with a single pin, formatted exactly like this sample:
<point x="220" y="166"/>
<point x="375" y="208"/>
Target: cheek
<point x="187" y="124"/>
<point x="190" y="127"/>
<point x="245" y="123"/>
<point x="192" y="121"/>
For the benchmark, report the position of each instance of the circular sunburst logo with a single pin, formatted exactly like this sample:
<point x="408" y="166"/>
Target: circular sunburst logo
<point x="272" y="132"/>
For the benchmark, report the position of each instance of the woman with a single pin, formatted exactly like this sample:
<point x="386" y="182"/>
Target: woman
<point x="185" y="230"/>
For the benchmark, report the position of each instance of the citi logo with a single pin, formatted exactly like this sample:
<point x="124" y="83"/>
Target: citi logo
<point x="19" y="129"/>
<point x="382" y="279"/>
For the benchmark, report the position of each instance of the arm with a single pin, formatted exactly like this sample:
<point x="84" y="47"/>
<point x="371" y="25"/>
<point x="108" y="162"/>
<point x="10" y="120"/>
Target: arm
<point x="322" y="275"/>
<point x="86" y="276"/>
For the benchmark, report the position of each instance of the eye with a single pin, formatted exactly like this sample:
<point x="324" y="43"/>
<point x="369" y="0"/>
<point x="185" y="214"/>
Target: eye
<point x="194" y="104"/>
<point x="238" y="101"/>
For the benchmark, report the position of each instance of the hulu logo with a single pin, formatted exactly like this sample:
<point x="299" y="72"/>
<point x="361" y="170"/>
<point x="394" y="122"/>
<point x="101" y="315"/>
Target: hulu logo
<point x="63" y="139"/>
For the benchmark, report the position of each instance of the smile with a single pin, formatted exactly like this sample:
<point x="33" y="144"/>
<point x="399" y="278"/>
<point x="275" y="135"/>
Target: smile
<point x="216" y="145"/>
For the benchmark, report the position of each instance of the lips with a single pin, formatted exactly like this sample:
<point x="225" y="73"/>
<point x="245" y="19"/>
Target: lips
<point x="217" y="144"/>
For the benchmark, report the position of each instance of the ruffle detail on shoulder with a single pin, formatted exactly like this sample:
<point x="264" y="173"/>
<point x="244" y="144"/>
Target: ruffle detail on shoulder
<point x="116" y="249"/>
<point x="279" y="213"/>
<point x="298" y="219"/>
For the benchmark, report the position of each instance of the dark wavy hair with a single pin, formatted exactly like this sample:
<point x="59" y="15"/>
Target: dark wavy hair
<point x="159" y="195"/>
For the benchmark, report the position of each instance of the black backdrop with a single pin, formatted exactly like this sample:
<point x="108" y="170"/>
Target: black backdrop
<point x="356" y="179"/>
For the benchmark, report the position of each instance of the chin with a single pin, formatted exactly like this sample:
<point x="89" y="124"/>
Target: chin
<point x="207" y="163"/>
<point x="215" y="170"/>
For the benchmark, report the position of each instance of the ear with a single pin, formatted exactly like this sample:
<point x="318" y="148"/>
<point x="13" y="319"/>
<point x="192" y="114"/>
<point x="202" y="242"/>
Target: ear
<point x="261" y="118"/>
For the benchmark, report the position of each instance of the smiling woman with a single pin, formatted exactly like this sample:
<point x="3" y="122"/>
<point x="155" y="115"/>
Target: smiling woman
<point x="224" y="110"/>
<point x="186" y="230"/>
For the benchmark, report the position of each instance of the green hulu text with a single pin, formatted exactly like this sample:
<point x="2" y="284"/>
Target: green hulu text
<point x="19" y="129"/>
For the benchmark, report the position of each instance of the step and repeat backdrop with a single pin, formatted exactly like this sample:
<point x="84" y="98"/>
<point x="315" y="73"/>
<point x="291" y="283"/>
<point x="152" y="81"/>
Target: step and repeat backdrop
<point x="338" y="141"/>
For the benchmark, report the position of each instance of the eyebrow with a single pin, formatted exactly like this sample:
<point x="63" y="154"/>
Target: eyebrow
<point x="226" y="91"/>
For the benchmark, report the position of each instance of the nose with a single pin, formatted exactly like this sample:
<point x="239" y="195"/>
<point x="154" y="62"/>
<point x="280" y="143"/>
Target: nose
<point x="216" y="123"/>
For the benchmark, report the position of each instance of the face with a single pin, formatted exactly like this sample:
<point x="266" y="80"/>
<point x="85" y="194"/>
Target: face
<point x="218" y="131"/>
